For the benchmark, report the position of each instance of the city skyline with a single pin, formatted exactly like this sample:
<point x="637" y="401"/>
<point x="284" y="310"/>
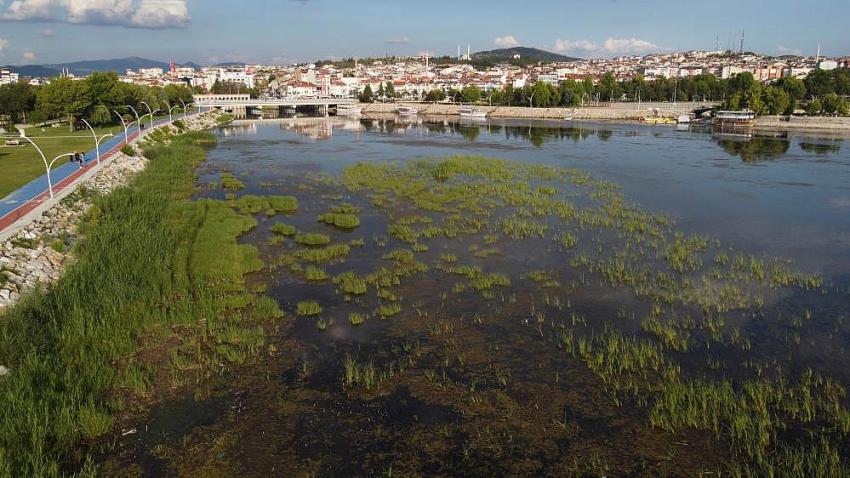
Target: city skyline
<point x="262" y="31"/>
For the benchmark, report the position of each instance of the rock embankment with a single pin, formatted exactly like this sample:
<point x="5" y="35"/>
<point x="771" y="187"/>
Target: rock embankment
<point x="37" y="254"/>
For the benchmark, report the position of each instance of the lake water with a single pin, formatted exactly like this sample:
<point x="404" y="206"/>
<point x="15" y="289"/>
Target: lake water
<point x="531" y="321"/>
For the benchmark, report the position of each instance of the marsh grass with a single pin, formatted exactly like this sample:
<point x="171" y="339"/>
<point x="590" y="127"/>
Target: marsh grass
<point x="283" y="229"/>
<point x="306" y="308"/>
<point x="313" y="239"/>
<point x="230" y="182"/>
<point x="151" y="260"/>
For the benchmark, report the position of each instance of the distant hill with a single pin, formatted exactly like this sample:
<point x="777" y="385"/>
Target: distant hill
<point x="526" y="55"/>
<point x="86" y="67"/>
<point x="34" y="71"/>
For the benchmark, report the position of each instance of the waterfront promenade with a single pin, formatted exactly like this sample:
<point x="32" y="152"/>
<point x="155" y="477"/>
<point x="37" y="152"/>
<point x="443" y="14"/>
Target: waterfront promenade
<point x="21" y="203"/>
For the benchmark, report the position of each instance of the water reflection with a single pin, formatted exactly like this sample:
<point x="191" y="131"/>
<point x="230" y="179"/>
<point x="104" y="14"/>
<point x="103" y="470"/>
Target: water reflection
<point x="754" y="149"/>
<point x="820" y="149"/>
<point x="748" y="148"/>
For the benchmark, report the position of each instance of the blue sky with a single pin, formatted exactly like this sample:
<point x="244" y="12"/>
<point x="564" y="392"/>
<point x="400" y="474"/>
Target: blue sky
<point x="284" y="31"/>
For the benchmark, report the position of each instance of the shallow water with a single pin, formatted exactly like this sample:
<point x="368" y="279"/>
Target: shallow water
<point x="477" y="383"/>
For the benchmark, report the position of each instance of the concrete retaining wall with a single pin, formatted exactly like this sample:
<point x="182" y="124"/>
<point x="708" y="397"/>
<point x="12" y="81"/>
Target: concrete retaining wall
<point x="803" y="123"/>
<point x="617" y="111"/>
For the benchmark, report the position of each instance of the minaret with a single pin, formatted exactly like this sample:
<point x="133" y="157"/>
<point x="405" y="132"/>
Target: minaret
<point x="468" y="53"/>
<point x="817" y="58"/>
<point x="458" y="52"/>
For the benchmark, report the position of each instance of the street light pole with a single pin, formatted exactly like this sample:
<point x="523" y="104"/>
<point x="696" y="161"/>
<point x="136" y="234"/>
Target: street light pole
<point x="96" y="139"/>
<point x="47" y="166"/>
<point x="149" y="111"/>
<point x="124" y="124"/>
<point x="138" y="120"/>
<point x="184" y="106"/>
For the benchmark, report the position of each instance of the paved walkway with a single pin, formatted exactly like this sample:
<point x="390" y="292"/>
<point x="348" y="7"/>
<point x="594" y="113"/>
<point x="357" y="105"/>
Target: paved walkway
<point x="17" y="205"/>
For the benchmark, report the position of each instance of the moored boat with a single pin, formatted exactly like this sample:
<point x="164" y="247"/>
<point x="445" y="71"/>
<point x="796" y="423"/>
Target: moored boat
<point x="407" y="111"/>
<point x="470" y="112"/>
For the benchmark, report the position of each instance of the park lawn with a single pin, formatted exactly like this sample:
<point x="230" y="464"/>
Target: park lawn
<point x="22" y="164"/>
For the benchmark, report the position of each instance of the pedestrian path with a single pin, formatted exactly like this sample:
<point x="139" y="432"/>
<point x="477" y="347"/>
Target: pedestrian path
<point x="18" y="204"/>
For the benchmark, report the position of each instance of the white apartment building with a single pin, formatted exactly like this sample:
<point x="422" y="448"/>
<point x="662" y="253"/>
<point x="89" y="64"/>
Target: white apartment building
<point x="7" y="77"/>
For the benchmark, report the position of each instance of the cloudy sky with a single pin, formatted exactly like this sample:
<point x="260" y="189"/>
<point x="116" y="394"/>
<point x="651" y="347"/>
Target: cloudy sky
<point x="285" y="31"/>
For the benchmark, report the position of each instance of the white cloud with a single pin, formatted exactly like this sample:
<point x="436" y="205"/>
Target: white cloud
<point x="507" y="41"/>
<point x="399" y="41"/>
<point x="28" y="56"/>
<point x="128" y="13"/>
<point x="611" y="46"/>
<point x="783" y="50"/>
<point x="47" y="33"/>
<point x="4" y="43"/>
<point x="161" y="14"/>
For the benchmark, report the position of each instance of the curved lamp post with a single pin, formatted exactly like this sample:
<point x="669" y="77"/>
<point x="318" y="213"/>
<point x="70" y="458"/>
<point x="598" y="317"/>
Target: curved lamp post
<point x="149" y="111"/>
<point x="124" y="124"/>
<point x="96" y="139"/>
<point x="138" y="120"/>
<point x="47" y="166"/>
<point x="170" y="109"/>
<point x="184" y="106"/>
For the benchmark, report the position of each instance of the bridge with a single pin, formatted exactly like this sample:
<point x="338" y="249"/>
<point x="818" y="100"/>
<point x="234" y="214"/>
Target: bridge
<point x="240" y="105"/>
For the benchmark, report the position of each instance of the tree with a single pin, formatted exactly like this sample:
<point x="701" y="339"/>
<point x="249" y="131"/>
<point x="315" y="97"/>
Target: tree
<point x="776" y="100"/>
<point x="814" y="107"/>
<point x="834" y="104"/>
<point x="101" y="115"/>
<point x="105" y="89"/>
<point x="435" y="95"/>
<point x="16" y="100"/>
<point x="366" y="96"/>
<point x="793" y="86"/>
<point x="64" y="97"/>
<point x="819" y="83"/>
<point x="609" y="89"/>
<point x="390" y="90"/>
<point x="470" y="94"/>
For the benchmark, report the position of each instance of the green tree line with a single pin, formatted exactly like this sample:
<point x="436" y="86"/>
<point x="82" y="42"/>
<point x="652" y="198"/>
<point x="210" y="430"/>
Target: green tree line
<point x="94" y="98"/>
<point x="822" y="92"/>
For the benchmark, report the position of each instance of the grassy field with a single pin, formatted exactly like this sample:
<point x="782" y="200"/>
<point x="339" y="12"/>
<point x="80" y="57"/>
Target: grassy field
<point x="22" y="164"/>
<point x="156" y="271"/>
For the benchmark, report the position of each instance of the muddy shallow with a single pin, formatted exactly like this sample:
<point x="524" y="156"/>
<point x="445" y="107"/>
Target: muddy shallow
<point x="469" y="372"/>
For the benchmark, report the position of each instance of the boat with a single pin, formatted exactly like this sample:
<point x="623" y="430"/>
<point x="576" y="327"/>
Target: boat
<point x="472" y="113"/>
<point x="348" y="110"/>
<point x="734" y="118"/>
<point x="407" y="111"/>
<point x="683" y="119"/>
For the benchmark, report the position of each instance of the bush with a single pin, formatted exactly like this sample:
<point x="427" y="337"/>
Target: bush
<point x="129" y="150"/>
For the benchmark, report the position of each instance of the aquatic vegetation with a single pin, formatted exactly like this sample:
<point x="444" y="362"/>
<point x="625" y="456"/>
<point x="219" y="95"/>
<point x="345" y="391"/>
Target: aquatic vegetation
<point x="350" y="283"/>
<point x="307" y="308"/>
<point x="330" y="253"/>
<point x="356" y="318"/>
<point x="485" y="282"/>
<point x="313" y="239"/>
<point x="229" y="181"/>
<point x="315" y="274"/>
<point x="342" y="221"/>
<point x="388" y="310"/>
<point x="283" y="229"/>
<point x="518" y="228"/>
<point x="253" y="204"/>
